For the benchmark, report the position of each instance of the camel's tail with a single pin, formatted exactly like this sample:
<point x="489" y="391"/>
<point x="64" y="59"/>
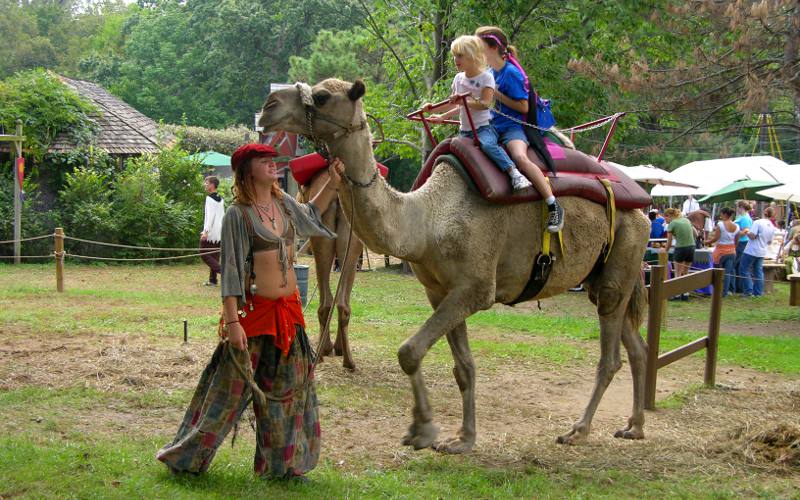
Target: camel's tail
<point x="637" y="306"/>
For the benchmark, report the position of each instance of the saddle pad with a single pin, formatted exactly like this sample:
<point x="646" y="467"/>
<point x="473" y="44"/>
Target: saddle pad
<point x="304" y="168"/>
<point x="578" y="175"/>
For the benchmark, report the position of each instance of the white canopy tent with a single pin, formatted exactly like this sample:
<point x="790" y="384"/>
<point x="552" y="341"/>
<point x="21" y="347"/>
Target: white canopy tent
<point x="649" y="174"/>
<point x="712" y="175"/>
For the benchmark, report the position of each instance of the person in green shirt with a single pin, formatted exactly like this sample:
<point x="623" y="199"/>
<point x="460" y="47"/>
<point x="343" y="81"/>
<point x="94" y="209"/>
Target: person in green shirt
<point x="679" y="232"/>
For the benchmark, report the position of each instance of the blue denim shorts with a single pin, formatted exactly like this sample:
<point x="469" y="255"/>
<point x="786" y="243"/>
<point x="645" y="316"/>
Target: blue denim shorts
<point x="516" y="133"/>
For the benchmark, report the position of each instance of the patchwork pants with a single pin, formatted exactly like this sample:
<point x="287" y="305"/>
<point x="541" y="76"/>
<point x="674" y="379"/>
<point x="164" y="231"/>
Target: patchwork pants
<point x="287" y="431"/>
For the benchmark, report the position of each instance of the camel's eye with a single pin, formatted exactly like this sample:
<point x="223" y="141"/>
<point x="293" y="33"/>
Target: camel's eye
<point x="321" y="97"/>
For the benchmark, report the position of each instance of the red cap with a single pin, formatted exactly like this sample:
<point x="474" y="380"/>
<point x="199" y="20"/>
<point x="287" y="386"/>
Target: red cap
<point x="248" y="151"/>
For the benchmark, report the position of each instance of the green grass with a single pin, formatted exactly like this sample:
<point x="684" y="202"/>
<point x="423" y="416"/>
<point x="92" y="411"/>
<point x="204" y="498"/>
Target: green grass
<point x="51" y="447"/>
<point x="51" y="467"/>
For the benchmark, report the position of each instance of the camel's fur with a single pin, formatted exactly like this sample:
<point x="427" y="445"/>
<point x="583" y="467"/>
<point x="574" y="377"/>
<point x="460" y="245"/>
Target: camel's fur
<point x="325" y="251"/>
<point x="469" y="254"/>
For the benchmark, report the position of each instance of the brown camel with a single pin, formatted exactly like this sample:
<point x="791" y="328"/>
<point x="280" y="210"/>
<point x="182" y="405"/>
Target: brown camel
<point x="469" y="254"/>
<point x="325" y="251"/>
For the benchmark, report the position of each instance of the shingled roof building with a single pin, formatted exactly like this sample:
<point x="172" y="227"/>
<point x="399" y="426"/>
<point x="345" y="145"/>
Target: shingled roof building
<point x="123" y="131"/>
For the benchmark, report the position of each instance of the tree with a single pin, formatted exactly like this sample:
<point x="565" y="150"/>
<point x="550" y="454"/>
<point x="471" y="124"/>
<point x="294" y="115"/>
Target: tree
<point x="715" y="64"/>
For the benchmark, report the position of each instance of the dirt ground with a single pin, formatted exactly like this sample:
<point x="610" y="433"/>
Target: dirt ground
<point x="521" y="407"/>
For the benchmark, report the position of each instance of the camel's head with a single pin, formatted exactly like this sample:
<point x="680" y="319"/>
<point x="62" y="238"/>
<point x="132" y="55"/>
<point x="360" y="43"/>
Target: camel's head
<point x="334" y="105"/>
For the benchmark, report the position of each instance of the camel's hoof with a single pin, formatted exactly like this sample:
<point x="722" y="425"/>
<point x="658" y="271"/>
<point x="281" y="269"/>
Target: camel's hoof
<point x="454" y="446"/>
<point x="629" y="433"/>
<point x="337" y="351"/>
<point x="421" y="435"/>
<point x="348" y="364"/>
<point x="572" y="437"/>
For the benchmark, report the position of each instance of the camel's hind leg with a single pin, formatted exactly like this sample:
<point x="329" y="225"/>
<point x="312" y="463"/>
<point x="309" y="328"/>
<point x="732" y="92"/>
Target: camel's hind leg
<point x="611" y="308"/>
<point x="637" y="357"/>
<point x="348" y="266"/>
<point x="618" y="293"/>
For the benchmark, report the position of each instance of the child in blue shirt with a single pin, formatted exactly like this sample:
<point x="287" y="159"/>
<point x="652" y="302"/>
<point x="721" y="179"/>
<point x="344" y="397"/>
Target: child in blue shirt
<point x="512" y="100"/>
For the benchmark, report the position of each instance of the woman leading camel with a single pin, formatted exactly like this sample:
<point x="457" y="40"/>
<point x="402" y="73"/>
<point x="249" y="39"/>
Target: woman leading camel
<point x="264" y="340"/>
<point x="512" y="98"/>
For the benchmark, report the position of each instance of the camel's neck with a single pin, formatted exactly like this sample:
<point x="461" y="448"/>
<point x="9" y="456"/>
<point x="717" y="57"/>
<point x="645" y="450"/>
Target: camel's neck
<point x="386" y="220"/>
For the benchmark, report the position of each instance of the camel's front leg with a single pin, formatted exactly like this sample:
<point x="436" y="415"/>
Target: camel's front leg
<point x="324" y="251"/>
<point x="348" y="260"/>
<point x="611" y="308"/>
<point x="450" y="313"/>
<point x="464" y="372"/>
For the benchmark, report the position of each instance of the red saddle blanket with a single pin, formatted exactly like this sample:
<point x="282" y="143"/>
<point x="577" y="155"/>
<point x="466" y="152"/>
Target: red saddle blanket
<point x="304" y="168"/>
<point x="578" y="175"/>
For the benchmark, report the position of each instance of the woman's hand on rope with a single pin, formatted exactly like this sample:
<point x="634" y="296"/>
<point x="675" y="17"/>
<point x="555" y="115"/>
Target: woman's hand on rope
<point x="335" y="171"/>
<point x="236" y="336"/>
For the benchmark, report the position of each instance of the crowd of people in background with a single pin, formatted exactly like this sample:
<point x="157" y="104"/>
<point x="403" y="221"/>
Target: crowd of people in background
<point x="741" y="242"/>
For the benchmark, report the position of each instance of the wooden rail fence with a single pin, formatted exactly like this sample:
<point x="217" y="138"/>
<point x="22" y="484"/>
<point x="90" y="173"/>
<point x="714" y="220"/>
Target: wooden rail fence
<point x="660" y="291"/>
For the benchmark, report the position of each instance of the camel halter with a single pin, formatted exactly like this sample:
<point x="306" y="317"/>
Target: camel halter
<point x="311" y="112"/>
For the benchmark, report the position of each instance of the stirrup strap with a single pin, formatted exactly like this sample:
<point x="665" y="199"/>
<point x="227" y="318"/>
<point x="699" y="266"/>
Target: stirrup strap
<point x="611" y="215"/>
<point x="547" y="234"/>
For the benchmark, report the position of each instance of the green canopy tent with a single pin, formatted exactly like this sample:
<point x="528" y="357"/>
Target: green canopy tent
<point x="744" y="189"/>
<point x="220" y="164"/>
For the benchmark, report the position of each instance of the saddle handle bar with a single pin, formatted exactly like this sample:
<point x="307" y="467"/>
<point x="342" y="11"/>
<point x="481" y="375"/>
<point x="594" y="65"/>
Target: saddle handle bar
<point x="419" y="116"/>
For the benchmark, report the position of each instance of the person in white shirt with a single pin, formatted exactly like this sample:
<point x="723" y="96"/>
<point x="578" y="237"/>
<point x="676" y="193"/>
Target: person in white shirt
<point x="212" y="228"/>
<point x="751" y="267"/>
<point x="690" y="205"/>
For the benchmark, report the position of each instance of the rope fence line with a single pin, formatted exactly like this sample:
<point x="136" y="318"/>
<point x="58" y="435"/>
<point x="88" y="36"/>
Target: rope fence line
<point x="28" y="239"/>
<point x="119" y="245"/>
<point x="28" y="256"/>
<point x="139" y="259"/>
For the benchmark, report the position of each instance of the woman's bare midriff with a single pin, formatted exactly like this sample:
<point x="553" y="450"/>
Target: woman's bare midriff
<point x="269" y="276"/>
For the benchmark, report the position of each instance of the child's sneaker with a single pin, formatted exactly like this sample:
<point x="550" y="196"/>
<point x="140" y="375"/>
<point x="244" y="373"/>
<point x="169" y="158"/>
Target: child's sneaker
<point x="518" y="181"/>
<point x="555" y="219"/>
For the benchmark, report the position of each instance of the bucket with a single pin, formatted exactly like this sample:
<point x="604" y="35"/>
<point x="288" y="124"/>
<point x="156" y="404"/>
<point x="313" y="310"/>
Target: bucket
<point x="301" y="272"/>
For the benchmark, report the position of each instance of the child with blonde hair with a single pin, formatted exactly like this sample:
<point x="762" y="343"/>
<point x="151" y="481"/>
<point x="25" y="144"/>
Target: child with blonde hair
<point x="468" y="56"/>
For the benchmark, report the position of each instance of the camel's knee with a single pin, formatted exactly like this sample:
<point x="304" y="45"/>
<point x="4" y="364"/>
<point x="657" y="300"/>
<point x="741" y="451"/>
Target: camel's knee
<point x="608" y="300"/>
<point x="409" y="358"/>
<point x="344" y="313"/>
<point x="323" y="312"/>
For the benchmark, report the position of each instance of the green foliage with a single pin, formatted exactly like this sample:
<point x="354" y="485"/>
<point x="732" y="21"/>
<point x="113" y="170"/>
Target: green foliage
<point x="347" y="55"/>
<point x="195" y="139"/>
<point x="46" y="107"/>
<point x="36" y="221"/>
<point x="157" y="200"/>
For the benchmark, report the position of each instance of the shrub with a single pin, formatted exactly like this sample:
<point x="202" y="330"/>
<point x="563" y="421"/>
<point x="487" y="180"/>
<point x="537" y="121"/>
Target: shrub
<point x="195" y="139"/>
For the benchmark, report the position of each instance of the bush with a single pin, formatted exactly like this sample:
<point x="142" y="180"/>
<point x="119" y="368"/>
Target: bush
<point x="196" y="139"/>
<point x="35" y="220"/>
<point x="156" y="201"/>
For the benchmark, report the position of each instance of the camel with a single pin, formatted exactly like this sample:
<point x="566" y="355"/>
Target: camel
<point x="469" y="254"/>
<point x="324" y="252"/>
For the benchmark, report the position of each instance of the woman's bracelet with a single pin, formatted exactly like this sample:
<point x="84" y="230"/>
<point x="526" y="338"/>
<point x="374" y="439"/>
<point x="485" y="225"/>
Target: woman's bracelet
<point x="231" y="322"/>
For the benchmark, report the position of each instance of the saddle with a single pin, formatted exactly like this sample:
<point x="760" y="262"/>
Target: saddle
<point x="578" y="175"/>
<point x="304" y="168"/>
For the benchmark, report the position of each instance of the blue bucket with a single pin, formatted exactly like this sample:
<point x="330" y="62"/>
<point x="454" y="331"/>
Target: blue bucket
<point x="301" y="272"/>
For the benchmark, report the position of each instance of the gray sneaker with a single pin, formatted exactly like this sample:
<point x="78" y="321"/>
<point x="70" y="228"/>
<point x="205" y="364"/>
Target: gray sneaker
<point x="519" y="182"/>
<point x="555" y="218"/>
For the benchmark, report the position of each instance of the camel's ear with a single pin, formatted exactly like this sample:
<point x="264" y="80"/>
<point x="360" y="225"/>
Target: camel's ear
<point x="357" y="91"/>
<point x="321" y="97"/>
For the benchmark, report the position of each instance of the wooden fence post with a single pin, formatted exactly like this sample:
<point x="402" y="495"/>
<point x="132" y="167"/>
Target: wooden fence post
<point x="655" y="315"/>
<point x="59" y="252"/>
<point x="713" y="327"/>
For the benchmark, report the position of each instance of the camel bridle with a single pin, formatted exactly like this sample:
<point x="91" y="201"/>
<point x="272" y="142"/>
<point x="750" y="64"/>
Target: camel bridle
<point x="312" y="113"/>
